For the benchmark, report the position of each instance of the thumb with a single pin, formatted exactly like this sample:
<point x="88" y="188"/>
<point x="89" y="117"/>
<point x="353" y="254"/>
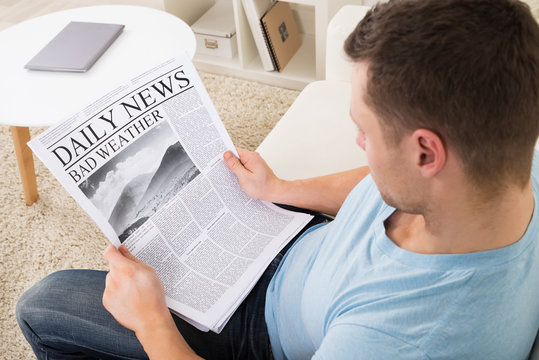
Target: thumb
<point x="234" y="164"/>
<point x="115" y="258"/>
<point x="123" y="250"/>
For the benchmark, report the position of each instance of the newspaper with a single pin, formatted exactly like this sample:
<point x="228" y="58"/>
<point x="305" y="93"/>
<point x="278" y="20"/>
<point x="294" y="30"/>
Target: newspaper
<point x="145" y="162"/>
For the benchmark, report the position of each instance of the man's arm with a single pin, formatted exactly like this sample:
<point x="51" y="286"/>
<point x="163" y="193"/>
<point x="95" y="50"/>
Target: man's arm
<point x="324" y="194"/>
<point x="135" y="296"/>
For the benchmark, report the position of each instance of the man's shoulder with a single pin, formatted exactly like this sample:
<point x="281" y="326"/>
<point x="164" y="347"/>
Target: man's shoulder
<point x="364" y="198"/>
<point x="365" y="190"/>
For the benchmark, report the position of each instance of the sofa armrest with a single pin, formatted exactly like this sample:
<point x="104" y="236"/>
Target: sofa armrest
<point x="316" y="135"/>
<point x="338" y="67"/>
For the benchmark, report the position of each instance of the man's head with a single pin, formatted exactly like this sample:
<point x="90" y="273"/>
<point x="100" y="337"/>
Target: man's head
<point x="465" y="70"/>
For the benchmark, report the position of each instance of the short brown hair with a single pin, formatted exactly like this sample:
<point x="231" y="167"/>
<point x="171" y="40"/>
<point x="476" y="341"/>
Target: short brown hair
<point x="466" y="69"/>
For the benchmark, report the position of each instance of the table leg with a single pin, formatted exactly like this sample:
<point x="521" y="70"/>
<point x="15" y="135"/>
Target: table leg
<point x="25" y="160"/>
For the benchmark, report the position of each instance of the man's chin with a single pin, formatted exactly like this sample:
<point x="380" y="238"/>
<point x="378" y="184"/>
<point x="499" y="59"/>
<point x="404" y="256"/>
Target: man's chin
<point x="389" y="200"/>
<point x="403" y="206"/>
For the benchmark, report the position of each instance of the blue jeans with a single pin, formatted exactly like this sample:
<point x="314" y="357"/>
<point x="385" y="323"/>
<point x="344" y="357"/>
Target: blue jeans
<point x="62" y="317"/>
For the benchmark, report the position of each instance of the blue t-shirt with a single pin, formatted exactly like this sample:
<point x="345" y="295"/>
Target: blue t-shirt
<point x="346" y="291"/>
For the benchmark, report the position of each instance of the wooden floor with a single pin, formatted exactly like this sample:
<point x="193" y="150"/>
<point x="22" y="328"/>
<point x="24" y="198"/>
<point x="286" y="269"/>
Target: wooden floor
<point x="15" y="11"/>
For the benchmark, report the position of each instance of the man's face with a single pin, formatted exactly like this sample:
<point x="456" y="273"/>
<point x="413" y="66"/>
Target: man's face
<point x="390" y="164"/>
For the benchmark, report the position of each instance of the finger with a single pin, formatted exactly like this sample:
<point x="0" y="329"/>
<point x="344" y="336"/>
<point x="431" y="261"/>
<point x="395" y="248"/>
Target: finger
<point x="109" y="289"/>
<point x="252" y="161"/>
<point x="116" y="259"/>
<point x="245" y="156"/>
<point x="105" y="299"/>
<point x="109" y="282"/>
<point x="107" y="249"/>
<point x="106" y="255"/>
<point x="243" y="152"/>
<point x="234" y="164"/>
<point x="125" y="252"/>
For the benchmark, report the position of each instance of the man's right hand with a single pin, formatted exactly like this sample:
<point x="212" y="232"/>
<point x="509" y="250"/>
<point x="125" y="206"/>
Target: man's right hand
<point x="324" y="193"/>
<point x="255" y="176"/>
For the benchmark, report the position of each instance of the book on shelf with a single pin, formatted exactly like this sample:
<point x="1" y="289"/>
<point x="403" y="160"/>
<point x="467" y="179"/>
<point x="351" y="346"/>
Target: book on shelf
<point x="254" y="11"/>
<point x="145" y="161"/>
<point x="282" y="33"/>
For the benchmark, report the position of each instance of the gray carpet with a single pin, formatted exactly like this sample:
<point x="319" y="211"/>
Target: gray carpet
<point x="56" y="234"/>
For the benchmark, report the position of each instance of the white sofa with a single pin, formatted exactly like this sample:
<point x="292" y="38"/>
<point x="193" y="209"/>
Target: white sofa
<point x="316" y="135"/>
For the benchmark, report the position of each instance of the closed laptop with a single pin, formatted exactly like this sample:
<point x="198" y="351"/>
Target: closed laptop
<point x="76" y="48"/>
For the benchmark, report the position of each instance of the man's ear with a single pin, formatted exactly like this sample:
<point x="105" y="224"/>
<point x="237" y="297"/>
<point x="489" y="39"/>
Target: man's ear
<point x="431" y="154"/>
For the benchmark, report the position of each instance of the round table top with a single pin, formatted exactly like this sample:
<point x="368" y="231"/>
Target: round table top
<point x="42" y="98"/>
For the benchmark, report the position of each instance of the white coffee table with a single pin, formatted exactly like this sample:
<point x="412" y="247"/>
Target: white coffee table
<point x="39" y="98"/>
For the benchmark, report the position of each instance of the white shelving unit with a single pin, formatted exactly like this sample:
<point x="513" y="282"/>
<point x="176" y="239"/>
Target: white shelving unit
<point x="307" y="65"/>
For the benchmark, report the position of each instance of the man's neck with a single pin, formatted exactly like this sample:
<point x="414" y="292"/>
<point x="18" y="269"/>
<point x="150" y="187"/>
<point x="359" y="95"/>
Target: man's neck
<point x="461" y="227"/>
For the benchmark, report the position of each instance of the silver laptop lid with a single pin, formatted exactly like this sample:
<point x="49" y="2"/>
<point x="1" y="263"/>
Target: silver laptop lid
<point x="76" y="48"/>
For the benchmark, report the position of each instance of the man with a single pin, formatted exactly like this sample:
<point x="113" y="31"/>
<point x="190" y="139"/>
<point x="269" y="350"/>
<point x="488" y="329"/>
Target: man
<point x="433" y="255"/>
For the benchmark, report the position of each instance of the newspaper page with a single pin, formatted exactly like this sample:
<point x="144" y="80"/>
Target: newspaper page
<point x="145" y="162"/>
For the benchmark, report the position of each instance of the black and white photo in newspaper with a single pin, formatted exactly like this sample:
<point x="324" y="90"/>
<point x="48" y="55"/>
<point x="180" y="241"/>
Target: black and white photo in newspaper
<point x="145" y="162"/>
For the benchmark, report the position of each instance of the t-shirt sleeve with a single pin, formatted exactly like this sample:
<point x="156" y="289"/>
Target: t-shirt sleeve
<point x="349" y="341"/>
<point x="535" y="167"/>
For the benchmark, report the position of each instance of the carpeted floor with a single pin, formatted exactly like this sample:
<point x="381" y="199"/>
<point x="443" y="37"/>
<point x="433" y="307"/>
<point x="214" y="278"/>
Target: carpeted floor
<point x="56" y="234"/>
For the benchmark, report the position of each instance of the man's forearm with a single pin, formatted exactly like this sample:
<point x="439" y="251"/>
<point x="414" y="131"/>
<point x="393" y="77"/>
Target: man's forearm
<point x="165" y="342"/>
<point x="325" y="193"/>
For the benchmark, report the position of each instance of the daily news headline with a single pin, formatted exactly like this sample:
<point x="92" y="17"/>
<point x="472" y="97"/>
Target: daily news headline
<point x="102" y="136"/>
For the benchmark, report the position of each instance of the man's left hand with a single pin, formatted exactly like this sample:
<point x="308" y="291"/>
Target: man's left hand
<point x="134" y="295"/>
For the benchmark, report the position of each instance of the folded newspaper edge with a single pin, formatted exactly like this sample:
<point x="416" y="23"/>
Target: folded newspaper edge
<point x="145" y="162"/>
